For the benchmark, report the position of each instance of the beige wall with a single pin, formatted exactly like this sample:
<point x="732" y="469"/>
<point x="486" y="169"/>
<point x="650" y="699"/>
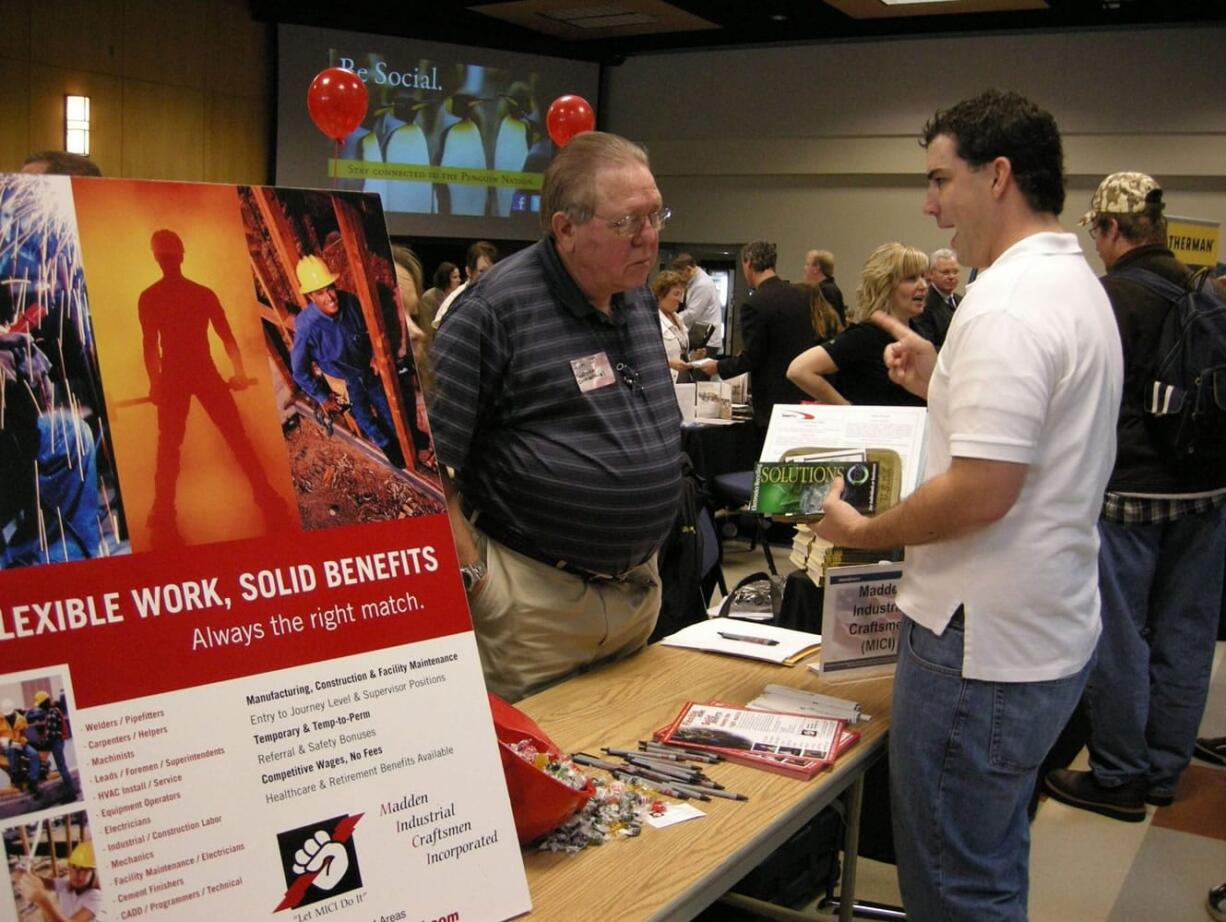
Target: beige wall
<point x="810" y="145"/>
<point x="815" y="145"/>
<point x="179" y="89"/>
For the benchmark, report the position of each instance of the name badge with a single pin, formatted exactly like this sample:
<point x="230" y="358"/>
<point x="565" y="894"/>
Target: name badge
<point x="592" y="372"/>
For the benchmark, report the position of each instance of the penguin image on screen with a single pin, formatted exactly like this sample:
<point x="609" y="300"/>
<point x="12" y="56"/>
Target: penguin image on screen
<point x="463" y="146"/>
<point x="515" y="131"/>
<point x="370" y="149"/>
<point x="407" y="144"/>
<point x="351" y="149"/>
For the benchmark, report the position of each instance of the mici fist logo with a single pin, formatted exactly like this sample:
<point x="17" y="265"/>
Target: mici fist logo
<point x="319" y="861"/>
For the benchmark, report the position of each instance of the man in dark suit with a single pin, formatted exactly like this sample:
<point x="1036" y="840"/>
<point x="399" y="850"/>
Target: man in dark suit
<point x="819" y="270"/>
<point x="775" y="328"/>
<point x="944" y="272"/>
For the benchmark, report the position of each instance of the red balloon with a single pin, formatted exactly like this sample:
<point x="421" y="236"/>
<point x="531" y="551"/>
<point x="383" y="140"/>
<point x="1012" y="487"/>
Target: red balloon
<point x="337" y="101"/>
<point x="568" y="116"/>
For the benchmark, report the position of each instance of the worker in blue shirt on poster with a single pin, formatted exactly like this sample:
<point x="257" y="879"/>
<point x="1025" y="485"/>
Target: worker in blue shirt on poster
<point x="331" y="333"/>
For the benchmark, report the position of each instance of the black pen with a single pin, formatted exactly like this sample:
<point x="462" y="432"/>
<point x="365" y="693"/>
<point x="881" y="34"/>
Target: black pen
<point x="644" y="759"/>
<point x="749" y="638"/>
<point x="660" y="752"/>
<point x="711" y="758"/>
<point x="705" y="782"/>
<point x="667" y="790"/>
<point x="658" y="756"/>
<point x="670" y="771"/>
<point x="711" y="792"/>
<point x="582" y="758"/>
<point x="644" y="772"/>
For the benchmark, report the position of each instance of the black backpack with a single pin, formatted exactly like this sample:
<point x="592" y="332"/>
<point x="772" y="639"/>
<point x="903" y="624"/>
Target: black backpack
<point x="1186" y="400"/>
<point x="682" y="599"/>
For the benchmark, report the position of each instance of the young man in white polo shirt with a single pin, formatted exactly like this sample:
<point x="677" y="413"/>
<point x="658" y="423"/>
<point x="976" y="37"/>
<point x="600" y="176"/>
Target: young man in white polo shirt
<point x="1000" y="591"/>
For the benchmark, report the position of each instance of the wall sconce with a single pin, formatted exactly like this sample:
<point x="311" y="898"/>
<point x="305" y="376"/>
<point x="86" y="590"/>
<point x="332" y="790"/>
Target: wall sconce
<point x="76" y="125"/>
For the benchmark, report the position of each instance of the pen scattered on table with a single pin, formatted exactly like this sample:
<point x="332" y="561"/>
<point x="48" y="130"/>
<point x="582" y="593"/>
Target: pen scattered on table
<point x="691" y="755"/>
<point x="659" y="787"/>
<point x="665" y="772"/>
<point x="796" y="700"/>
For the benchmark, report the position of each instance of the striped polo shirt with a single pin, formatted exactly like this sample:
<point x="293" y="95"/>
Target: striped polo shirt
<point x="590" y="477"/>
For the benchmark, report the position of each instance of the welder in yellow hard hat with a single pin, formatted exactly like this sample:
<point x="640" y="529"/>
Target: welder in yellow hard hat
<point x="331" y="334"/>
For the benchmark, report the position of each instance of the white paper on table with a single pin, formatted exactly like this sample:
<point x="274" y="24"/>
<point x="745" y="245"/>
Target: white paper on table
<point x="686" y="400"/>
<point x="673" y="814"/>
<point x="762" y="641"/>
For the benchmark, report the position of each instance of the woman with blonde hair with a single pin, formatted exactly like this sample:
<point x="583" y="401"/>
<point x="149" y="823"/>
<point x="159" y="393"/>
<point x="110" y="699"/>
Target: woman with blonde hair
<point x="823" y="315"/>
<point x="892" y="282"/>
<point x="669" y="289"/>
<point x="409" y="282"/>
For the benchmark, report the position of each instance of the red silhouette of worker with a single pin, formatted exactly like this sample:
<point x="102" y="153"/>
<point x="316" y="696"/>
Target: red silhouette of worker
<point x="175" y="315"/>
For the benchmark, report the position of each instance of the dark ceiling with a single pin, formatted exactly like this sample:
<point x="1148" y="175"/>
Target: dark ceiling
<point x="757" y="22"/>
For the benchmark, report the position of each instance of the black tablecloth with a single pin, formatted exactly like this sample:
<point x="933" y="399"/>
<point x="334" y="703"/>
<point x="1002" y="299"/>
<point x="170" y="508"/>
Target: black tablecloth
<point x="716" y="450"/>
<point x="802" y="604"/>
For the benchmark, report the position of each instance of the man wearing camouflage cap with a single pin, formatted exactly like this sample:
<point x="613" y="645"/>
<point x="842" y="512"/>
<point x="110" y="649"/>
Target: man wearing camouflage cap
<point x="1162" y="540"/>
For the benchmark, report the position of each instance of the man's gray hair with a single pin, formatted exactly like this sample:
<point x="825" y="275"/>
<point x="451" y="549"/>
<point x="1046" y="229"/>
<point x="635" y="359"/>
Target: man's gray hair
<point x="823" y="259"/>
<point x="943" y="253"/>
<point x="570" y="180"/>
<point x="760" y="255"/>
<point x="62" y="163"/>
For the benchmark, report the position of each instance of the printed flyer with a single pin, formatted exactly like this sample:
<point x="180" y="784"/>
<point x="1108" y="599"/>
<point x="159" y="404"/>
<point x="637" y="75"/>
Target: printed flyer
<point x="860" y="622"/>
<point x="239" y="675"/>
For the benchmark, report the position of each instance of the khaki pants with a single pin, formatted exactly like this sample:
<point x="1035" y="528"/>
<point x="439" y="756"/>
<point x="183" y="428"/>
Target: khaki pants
<point x="536" y="624"/>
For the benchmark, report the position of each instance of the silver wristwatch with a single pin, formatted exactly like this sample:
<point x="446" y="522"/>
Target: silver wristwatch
<point x="472" y="574"/>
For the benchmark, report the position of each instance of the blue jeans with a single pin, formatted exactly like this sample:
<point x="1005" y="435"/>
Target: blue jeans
<point x="963" y="759"/>
<point x="61" y="765"/>
<point x="68" y="494"/>
<point x="33" y="766"/>
<point x="366" y="393"/>
<point x="1161" y="587"/>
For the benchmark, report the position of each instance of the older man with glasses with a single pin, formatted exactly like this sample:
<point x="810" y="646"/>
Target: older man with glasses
<point x="554" y="407"/>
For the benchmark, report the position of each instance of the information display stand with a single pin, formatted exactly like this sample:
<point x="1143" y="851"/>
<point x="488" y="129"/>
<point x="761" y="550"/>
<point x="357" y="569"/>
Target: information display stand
<point x="238" y="661"/>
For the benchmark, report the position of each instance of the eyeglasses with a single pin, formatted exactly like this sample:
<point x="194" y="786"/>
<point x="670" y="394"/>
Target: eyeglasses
<point x="632" y="224"/>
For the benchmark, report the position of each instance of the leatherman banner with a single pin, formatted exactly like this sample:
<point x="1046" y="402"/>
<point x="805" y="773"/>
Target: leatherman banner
<point x="1193" y="241"/>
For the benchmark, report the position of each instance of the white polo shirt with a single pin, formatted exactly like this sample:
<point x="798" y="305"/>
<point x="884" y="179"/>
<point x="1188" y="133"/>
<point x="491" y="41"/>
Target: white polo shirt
<point x="1031" y="373"/>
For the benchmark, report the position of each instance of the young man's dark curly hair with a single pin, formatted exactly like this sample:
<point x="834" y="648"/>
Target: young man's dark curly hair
<point x="1005" y="124"/>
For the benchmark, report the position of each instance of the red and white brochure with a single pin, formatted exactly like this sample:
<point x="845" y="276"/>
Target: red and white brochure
<point x="797" y="745"/>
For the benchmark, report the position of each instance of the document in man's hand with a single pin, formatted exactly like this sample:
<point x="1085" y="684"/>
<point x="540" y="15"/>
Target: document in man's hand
<point x="747" y="639"/>
<point x="892" y="436"/>
<point x="798" y="488"/>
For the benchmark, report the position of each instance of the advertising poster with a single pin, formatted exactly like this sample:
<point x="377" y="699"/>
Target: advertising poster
<point x="454" y="140"/>
<point x="239" y="677"/>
